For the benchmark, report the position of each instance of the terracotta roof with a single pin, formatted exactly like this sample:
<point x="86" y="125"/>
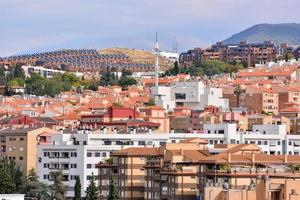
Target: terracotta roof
<point x="137" y="151"/>
<point x="153" y="108"/>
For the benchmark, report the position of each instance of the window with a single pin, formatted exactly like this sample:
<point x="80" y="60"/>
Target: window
<point x="84" y="143"/>
<point x="73" y="165"/>
<point x="180" y="96"/>
<point x="211" y="142"/>
<point x="46" y="154"/>
<point x="259" y="142"/>
<point x="162" y="143"/>
<point x="21" y="139"/>
<point x="173" y="141"/>
<point x="278" y="153"/>
<point x="107" y="142"/>
<point x="88" y="177"/>
<point x="220" y="131"/>
<point x="265" y="142"/>
<point x="21" y="158"/>
<point x="89" y="154"/>
<point x="290" y="143"/>
<point x="73" y="177"/>
<point x="278" y="143"/>
<point x="73" y="154"/>
<point x="104" y="154"/>
<point x="89" y="166"/>
<point x="141" y="143"/>
<point x="97" y="154"/>
<point x="46" y="176"/>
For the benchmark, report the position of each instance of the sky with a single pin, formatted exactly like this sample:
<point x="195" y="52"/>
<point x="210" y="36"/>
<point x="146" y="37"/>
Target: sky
<point x="40" y="25"/>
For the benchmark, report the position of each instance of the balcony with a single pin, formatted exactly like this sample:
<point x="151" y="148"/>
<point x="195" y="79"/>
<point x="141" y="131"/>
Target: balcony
<point x="249" y="172"/>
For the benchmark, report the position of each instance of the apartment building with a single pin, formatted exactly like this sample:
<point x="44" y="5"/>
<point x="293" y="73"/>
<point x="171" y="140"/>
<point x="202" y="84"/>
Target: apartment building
<point x="138" y="176"/>
<point x="77" y="153"/>
<point x="247" y="53"/>
<point x="192" y="94"/>
<point x="157" y="114"/>
<point x="262" y="100"/>
<point x="20" y="145"/>
<point x="287" y="95"/>
<point x="271" y="138"/>
<point x="188" y="170"/>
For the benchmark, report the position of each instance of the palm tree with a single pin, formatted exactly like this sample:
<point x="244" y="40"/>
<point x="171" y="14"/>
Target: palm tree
<point x="237" y="91"/>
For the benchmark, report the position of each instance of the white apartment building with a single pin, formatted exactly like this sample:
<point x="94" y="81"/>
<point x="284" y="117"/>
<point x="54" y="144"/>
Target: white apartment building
<point x="272" y="139"/>
<point x="192" y="94"/>
<point x="45" y="72"/>
<point x="78" y="154"/>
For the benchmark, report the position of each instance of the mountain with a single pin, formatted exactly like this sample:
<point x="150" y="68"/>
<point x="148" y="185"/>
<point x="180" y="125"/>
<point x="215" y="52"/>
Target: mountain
<point x="277" y="33"/>
<point x="141" y="41"/>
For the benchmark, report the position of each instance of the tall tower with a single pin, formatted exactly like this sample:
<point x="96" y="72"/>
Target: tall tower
<point x="156" y="60"/>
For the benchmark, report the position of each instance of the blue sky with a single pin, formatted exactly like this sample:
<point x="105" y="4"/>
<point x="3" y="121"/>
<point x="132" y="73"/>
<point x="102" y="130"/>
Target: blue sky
<point x="36" y="25"/>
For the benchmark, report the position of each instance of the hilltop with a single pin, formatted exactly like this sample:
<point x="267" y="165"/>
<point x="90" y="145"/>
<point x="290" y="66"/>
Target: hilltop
<point x="278" y="33"/>
<point x="139" y="56"/>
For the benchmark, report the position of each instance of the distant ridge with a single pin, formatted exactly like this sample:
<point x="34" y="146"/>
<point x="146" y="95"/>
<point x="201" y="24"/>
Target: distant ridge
<point x="277" y="33"/>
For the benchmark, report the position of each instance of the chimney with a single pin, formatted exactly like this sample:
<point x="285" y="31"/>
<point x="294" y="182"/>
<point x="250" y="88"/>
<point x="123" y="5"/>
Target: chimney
<point x="229" y="157"/>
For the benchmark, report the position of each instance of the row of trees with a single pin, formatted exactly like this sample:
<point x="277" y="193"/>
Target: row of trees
<point x="40" y="86"/>
<point x="109" y="78"/>
<point x="208" y="68"/>
<point x="13" y="181"/>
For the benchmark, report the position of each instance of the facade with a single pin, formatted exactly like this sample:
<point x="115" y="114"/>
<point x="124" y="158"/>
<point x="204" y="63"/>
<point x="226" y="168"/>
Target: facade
<point x="192" y="94"/>
<point x="262" y="100"/>
<point x="247" y="53"/>
<point x="188" y="170"/>
<point x="77" y="153"/>
<point x="20" y="145"/>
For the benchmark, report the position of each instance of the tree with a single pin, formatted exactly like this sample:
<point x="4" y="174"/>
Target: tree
<point x="77" y="188"/>
<point x="18" y="72"/>
<point x="237" y="92"/>
<point x="107" y="78"/>
<point x="151" y="102"/>
<point x="58" y="189"/>
<point x="34" y="188"/>
<point x="36" y="85"/>
<point x="92" y="190"/>
<point x="113" y="193"/>
<point x="6" y="181"/>
<point x="176" y="68"/>
<point x="126" y="79"/>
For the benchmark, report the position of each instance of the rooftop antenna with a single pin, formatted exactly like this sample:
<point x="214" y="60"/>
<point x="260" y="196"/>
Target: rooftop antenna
<point x="156" y="61"/>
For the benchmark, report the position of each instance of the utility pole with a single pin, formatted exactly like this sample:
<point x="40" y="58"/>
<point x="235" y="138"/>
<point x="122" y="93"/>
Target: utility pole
<point x="156" y="61"/>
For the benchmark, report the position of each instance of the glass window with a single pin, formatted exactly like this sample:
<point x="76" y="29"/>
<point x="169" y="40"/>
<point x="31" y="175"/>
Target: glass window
<point x="97" y="154"/>
<point x="89" y="154"/>
<point x="180" y="96"/>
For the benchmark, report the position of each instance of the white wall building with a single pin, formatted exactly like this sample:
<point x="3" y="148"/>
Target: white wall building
<point x="90" y="149"/>
<point x="271" y="138"/>
<point x="45" y="72"/>
<point x="12" y="196"/>
<point x="193" y="94"/>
